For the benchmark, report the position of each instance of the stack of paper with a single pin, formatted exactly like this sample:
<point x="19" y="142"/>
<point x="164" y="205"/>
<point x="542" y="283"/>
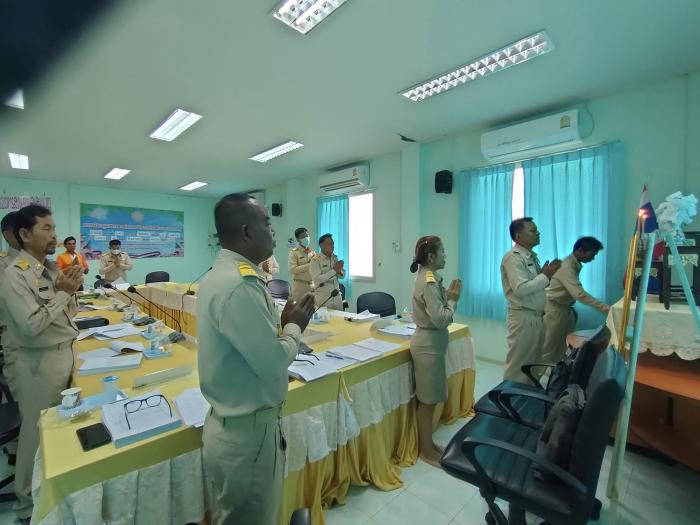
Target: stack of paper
<point x="193" y="407"/>
<point x="362" y="317"/>
<point x="307" y="369"/>
<point x="398" y="331"/>
<point x="145" y="419"/>
<point x="377" y="345"/>
<point x="356" y="353"/>
<point x="114" y="331"/>
<point x="334" y="361"/>
<point x="100" y="365"/>
<point x="120" y="346"/>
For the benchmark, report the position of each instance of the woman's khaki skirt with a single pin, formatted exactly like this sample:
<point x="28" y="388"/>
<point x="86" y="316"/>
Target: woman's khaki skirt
<point x="428" y="350"/>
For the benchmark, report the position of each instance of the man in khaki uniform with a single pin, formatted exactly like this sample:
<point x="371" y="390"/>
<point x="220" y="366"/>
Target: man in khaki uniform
<point x="116" y="263"/>
<point x="244" y="353"/>
<point x="269" y="268"/>
<point x="39" y="303"/>
<point x="325" y="269"/>
<point x="524" y="281"/>
<point x="298" y="264"/>
<point x="7" y="257"/>
<point x="563" y="292"/>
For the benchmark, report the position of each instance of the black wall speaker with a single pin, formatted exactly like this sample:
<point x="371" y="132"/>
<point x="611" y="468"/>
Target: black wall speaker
<point x="443" y="181"/>
<point x="276" y="209"/>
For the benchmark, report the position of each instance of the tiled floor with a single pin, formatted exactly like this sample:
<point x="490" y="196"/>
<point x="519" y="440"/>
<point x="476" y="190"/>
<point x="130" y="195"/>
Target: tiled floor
<point x="653" y="493"/>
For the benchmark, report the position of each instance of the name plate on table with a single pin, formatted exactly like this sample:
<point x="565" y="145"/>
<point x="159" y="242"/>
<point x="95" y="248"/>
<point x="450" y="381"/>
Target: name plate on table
<point x="162" y="375"/>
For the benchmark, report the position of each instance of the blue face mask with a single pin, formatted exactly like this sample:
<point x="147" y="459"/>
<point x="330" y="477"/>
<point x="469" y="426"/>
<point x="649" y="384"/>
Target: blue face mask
<point x="305" y="242"/>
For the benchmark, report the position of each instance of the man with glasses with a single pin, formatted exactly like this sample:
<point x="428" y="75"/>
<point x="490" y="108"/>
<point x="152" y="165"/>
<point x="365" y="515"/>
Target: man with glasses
<point x="244" y="353"/>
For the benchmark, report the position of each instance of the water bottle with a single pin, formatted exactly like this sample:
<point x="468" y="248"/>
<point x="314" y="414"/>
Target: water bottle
<point x="155" y="344"/>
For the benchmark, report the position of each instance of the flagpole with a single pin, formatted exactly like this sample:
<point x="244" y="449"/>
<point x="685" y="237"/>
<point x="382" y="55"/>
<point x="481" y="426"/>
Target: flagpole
<point x="629" y="279"/>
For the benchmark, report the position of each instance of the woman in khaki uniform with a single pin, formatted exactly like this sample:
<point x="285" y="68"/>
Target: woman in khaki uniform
<point x="433" y="309"/>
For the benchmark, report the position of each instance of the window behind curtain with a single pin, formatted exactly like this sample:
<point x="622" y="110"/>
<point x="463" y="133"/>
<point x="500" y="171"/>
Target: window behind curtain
<point x="361" y="230"/>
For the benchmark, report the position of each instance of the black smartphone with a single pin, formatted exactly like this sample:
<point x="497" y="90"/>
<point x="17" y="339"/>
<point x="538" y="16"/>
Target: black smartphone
<point x="93" y="436"/>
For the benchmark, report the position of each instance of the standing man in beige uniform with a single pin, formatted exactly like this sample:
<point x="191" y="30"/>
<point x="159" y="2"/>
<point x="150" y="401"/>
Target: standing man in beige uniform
<point x="244" y="352"/>
<point x="524" y="281"/>
<point x="564" y="290"/>
<point x="325" y="269"/>
<point x="7" y="258"/>
<point x="116" y="263"/>
<point x="298" y="264"/>
<point x="39" y="301"/>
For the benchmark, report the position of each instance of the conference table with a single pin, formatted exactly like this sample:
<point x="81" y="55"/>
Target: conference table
<point x="356" y="427"/>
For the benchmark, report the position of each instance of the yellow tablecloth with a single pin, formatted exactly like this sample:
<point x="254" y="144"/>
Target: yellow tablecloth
<point x="371" y="455"/>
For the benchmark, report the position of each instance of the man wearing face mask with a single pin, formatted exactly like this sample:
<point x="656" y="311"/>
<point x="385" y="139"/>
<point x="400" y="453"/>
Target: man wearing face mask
<point x="116" y="263"/>
<point x="325" y="270"/>
<point x="298" y="264"/>
<point x="39" y="302"/>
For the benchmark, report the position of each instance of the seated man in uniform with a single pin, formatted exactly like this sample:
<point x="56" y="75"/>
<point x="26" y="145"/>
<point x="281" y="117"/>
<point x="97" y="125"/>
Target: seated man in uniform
<point x="325" y="269"/>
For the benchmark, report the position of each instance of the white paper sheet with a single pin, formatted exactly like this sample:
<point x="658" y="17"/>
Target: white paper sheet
<point x="377" y="345"/>
<point x="99" y="365"/>
<point x="193" y="407"/>
<point x="357" y="353"/>
<point x="98" y="352"/>
<point x="118" y="346"/>
<point x="309" y="369"/>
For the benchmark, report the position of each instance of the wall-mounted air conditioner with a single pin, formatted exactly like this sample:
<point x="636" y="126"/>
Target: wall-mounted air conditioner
<point x="533" y="137"/>
<point x="345" y="181"/>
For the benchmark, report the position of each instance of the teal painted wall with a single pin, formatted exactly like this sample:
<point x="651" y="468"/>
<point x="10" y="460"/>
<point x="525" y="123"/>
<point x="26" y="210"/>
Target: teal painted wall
<point x="65" y="204"/>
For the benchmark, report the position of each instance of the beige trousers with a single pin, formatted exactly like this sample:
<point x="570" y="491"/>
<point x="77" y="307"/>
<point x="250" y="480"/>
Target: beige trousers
<point x="559" y="321"/>
<point x="525" y="340"/>
<point x="36" y="377"/>
<point x="299" y="288"/>
<point x="244" y="458"/>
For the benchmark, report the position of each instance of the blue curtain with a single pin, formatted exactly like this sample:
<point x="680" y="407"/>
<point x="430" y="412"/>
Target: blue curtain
<point x="332" y="217"/>
<point x="571" y="195"/>
<point x="485" y="214"/>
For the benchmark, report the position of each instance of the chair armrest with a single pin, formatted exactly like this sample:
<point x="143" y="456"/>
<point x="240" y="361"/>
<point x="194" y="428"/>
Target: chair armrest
<point x="505" y="402"/>
<point x="470" y="444"/>
<point x="527" y="370"/>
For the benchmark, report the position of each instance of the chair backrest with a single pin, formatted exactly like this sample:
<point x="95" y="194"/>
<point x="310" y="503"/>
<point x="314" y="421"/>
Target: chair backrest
<point x="605" y="390"/>
<point x="279" y="288"/>
<point x="157" y="277"/>
<point x="377" y="302"/>
<point x="587" y="356"/>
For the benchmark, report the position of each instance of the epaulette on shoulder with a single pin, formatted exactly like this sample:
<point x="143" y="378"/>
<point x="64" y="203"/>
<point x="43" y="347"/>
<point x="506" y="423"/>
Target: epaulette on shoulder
<point x="22" y="264"/>
<point x="246" y="270"/>
<point x="429" y="277"/>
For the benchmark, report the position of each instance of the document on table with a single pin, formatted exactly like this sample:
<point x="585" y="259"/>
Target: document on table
<point x="358" y="353"/>
<point x="119" y="346"/>
<point x="398" y="331"/>
<point x="145" y="419"/>
<point x="113" y="331"/>
<point x="376" y="345"/>
<point x="98" y="352"/>
<point x="99" y="365"/>
<point x="193" y="407"/>
<point x="308" y="369"/>
<point x="334" y="361"/>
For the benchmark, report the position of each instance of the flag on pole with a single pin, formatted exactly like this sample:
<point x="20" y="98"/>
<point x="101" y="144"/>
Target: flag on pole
<point x="650" y="222"/>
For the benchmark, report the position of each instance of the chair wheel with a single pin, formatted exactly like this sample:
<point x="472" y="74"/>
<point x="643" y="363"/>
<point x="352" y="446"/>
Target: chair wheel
<point x="595" y="510"/>
<point x="490" y="519"/>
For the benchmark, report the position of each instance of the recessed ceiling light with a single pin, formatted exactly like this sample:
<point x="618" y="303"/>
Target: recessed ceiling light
<point x="193" y="185"/>
<point x="304" y="15"/>
<point x="277" y="151"/>
<point x="19" y="161"/>
<point x="117" y="173"/>
<point x="178" y="121"/>
<point x="508" y="56"/>
<point x="16" y="100"/>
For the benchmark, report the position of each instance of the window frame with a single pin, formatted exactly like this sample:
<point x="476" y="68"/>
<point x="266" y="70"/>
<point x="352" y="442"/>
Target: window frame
<point x="364" y="278"/>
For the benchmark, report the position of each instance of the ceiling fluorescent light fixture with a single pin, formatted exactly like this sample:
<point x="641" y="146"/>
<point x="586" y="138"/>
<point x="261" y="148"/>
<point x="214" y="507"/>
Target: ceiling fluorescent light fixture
<point x="16" y="100"/>
<point x="19" y="161"/>
<point x="193" y="185"/>
<point x="277" y="151"/>
<point x="117" y="173"/>
<point x="508" y="56"/>
<point x="304" y="15"/>
<point x="178" y="121"/>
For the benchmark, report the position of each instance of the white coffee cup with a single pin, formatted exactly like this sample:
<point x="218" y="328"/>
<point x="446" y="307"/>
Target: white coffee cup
<point x="71" y="397"/>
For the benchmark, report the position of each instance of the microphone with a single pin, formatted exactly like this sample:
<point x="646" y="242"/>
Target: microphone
<point x="189" y="289"/>
<point x="334" y="293"/>
<point x="110" y="287"/>
<point x="132" y="289"/>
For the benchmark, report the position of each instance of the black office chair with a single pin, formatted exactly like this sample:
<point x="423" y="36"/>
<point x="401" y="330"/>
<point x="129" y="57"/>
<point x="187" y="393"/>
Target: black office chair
<point x="496" y="455"/>
<point x="9" y="431"/>
<point x="341" y="287"/>
<point x="529" y="403"/>
<point x="301" y="517"/>
<point x="377" y="303"/>
<point x="157" y="277"/>
<point x="279" y="288"/>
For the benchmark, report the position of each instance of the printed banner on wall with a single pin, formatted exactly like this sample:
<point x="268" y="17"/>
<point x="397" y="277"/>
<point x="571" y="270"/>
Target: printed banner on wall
<point x="15" y="202"/>
<point x="142" y="232"/>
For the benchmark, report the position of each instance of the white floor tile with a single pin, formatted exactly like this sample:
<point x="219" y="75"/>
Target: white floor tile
<point x="442" y="492"/>
<point x="407" y="509"/>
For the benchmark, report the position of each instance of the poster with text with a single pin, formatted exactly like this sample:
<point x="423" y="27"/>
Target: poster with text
<point x="143" y="232"/>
